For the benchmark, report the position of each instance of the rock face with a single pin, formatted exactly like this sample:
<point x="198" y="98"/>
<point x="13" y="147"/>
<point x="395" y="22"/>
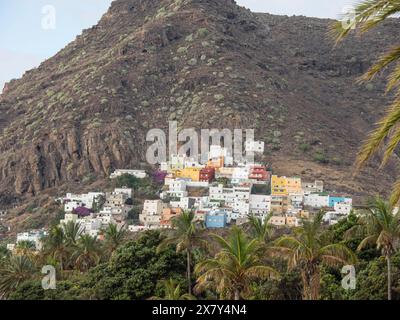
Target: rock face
<point x="205" y="64"/>
<point x="5" y="88"/>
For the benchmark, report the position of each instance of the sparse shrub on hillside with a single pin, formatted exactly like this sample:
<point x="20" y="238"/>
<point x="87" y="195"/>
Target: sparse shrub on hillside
<point x="304" y="147"/>
<point x="219" y="97"/>
<point x="202" y="32"/>
<point x="182" y="50"/>
<point x="320" y="157"/>
<point x="337" y="161"/>
<point x="369" y="87"/>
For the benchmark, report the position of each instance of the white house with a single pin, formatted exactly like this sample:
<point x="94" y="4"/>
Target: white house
<point x="241" y="202"/>
<point x="91" y="226"/>
<point x="153" y="207"/>
<point x="331" y="217"/>
<point x="316" y="200"/>
<point x="216" y="151"/>
<point x="296" y="200"/>
<point x="73" y="201"/>
<point x="127" y="191"/>
<point x="178" y="185"/>
<point x="192" y="163"/>
<point x="313" y="187"/>
<point x="136" y="173"/>
<point x="134" y="228"/>
<point x="152" y="212"/>
<point x="240" y="174"/>
<point x="343" y="208"/>
<point x="242" y="192"/>
<point x="106" y="219"/>
<point x="177" y="161"/>
<point x="177" y="189"/>
<point x="184" y="203"/>
<point x="114" y="199"/>
<point x="240" y="208"/>
<point x="70" y="206"/>
<point x="254" y="146"/>
<point x="201" y="202"/>
<point x="69" y="217"/>
<point x="164" y="166"/>
<point x="34" y="236"/>
<point x="219" y="193"/>
<point x="260" y="204"/>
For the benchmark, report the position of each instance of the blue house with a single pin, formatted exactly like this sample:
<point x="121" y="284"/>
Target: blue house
<point x="216" y="219"/>
<point x="336" y="199"/>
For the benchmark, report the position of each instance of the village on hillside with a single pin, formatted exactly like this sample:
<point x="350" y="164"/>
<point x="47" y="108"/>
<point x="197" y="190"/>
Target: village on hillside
<point x="220" y="193"/>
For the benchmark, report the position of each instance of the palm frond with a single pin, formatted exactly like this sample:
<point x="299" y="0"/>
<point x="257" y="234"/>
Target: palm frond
<point x="262" y="272"/>
<point x="376" y="137"/>
<point x="392" y="56"/>
<point x="338" y="252"/>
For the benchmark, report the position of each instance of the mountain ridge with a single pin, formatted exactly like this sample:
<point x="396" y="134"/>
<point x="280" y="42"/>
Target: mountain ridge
<point x="206" y="64"/>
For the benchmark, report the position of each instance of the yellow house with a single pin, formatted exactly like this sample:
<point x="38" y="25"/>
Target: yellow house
<point x="188" y="173"/>
<point x="293" y="185"/>
<point x="216" y="163"/>
<point x="283" y="186"/>
<point x="279" y="186"/>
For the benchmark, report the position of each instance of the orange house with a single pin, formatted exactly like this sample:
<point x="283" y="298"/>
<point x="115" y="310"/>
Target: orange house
<point x="168" y="214"/>
<point x="216" y="163"/>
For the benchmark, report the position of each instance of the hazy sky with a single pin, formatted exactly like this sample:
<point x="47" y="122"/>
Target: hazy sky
<point x="24" y="43"/>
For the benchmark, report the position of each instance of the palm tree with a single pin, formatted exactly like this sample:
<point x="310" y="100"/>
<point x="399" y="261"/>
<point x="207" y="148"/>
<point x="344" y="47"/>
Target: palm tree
<point x="173" y="291"/>
<point x="17" y="270"/>
<point x="114" y="237"/>
<point x="25" y="248"/>
<point x="186" y="235"/>
<point x="4" y="254"/>
<point x="380" y="227"/>
<point x="369" y="14"/>
<point x="261" y="229"/>
<point x="233" y="269"/>
<point x="87" y="253"/>
<point x="72" y="232"/>
<point x="56" y="248"/>
<point x="308" y="249"/>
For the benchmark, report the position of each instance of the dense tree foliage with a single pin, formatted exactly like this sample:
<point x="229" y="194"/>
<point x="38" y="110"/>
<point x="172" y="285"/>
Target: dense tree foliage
<point x="255" y="261"/>
<point x="146" y="187"/>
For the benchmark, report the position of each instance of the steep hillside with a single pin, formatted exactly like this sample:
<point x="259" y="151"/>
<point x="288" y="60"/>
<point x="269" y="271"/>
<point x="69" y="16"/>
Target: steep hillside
<point x="204" y="63"/>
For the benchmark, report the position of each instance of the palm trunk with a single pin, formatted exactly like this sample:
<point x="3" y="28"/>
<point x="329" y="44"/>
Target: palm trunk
<point x="306" y="286"/>
<point x="315" y="285"/>
<point x="189" y="275"/>
<point x="237" y="294"/>
<point x="389" y="277"/>
<point x="311" y="283"/>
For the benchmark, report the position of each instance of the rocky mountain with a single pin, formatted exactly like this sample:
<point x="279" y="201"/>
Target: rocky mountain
<point x="205" y="64"/>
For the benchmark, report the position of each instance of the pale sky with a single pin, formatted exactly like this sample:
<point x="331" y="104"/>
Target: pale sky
<point x="24" y="42"/>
